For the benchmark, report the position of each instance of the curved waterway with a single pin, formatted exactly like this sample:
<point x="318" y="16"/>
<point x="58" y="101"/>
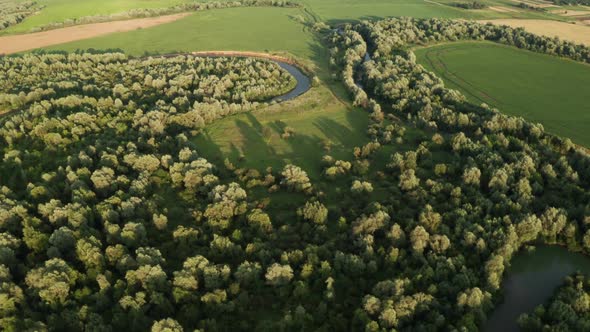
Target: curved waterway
<point x="303" y="82"/>
<point x="530" y="281"/>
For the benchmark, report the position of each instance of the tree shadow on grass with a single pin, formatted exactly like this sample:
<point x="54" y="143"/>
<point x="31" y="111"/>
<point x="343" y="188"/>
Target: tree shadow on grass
<point x="252" y="144"/>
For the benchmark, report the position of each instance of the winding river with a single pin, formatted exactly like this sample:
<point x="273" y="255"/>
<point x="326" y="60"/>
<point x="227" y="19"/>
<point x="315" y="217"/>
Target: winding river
<point x="303" y="82"/>
<point x="531" y="280"/>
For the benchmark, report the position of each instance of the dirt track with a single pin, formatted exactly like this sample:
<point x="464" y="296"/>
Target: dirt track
<point x="19" y="43"/>
<point x="566" y="31"/>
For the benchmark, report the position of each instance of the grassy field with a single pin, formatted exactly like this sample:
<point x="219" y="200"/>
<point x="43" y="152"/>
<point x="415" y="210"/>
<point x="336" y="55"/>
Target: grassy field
<point x="253" y="140"/>
<point x="332" y="11"/>
<point x="538" y="87"/>
<point x="239" y="29"/>
<point x="61" y="10"/>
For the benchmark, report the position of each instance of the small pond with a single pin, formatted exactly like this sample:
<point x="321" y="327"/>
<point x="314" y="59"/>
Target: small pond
<point x="531" y="280"/>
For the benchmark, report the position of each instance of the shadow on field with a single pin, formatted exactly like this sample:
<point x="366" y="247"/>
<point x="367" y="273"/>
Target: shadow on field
<point x="251" y="144"/>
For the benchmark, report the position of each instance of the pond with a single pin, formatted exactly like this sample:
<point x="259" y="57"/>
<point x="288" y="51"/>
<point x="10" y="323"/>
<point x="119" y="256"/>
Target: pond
<point x="531" y="280"/>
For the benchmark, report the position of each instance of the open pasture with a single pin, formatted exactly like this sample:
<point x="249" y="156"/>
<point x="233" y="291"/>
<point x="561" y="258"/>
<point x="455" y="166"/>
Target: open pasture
<point x="60" y="10"/>
<point x="541" y="88"/>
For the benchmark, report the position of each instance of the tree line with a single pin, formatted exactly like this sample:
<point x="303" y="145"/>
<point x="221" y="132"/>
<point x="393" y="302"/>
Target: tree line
<point x="12" y="12"/>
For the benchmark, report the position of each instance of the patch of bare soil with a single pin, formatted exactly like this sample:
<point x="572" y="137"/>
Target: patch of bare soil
<point x="19" y="43"/>
<point x="566" y="31"/>
<point x="567" y="13"/>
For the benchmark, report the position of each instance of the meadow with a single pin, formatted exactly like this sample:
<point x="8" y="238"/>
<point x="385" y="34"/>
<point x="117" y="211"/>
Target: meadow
<point x="253" y="140"/>
<point x="238" y="29"/>
<point x="541" y="88"/>
<point x="61" y="10"/>
<point x="331" y="11"/>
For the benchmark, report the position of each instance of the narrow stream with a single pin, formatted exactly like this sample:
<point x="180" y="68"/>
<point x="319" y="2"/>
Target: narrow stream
<point x="530" y="281"/>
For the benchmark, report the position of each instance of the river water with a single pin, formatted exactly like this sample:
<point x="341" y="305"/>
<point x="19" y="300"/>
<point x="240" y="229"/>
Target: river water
<point x="303" y="82"/>
<point x="530" y="281"/>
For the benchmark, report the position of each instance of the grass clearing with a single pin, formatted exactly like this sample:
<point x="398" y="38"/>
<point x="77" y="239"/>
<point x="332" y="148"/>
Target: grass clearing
<point x="502" y="76"/>
<point x="253" y="140"/>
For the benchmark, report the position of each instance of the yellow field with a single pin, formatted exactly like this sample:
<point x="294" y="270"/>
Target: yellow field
<point x="567" y="31"/>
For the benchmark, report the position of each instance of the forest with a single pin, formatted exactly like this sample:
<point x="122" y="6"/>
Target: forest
<point x="111" y="219"/>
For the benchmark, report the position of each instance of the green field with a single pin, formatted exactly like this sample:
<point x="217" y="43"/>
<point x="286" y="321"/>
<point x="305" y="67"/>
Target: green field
<point x="316" y="117"/>
<point x="541" y="88"/>
<point x="331" y="11"/>
<point x="237" y="29"/>
<point x="61" y="10"/>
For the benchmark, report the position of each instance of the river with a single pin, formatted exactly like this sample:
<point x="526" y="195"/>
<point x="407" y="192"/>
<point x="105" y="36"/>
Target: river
<point x="531" y="280"/>
<point x="303" y="82"/>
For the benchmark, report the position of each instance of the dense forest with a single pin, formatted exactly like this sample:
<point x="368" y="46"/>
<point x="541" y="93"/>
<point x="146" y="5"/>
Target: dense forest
<point x="483" y="185"/>
<point x="12" y="12"/>
<point x="111" y="219"/>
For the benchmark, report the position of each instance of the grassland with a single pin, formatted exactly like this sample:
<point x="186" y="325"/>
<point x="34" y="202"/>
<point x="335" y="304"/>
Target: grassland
<point x="61" y="10"/>
<point x="332" y="11"/>
<point x="253" y="140"/>
<point x="239" y="29"/>
<point x="538" y="87"/>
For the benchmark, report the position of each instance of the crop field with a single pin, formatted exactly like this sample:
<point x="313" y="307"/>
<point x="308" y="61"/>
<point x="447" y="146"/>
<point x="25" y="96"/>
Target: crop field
<point x="239" y="29"/>
<point x="332" y="11"/>
<point x="335" y="11"/>
<point x="61" y="10"/>
<point x="538" y="87"/>
<point x="574" y="32"/>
